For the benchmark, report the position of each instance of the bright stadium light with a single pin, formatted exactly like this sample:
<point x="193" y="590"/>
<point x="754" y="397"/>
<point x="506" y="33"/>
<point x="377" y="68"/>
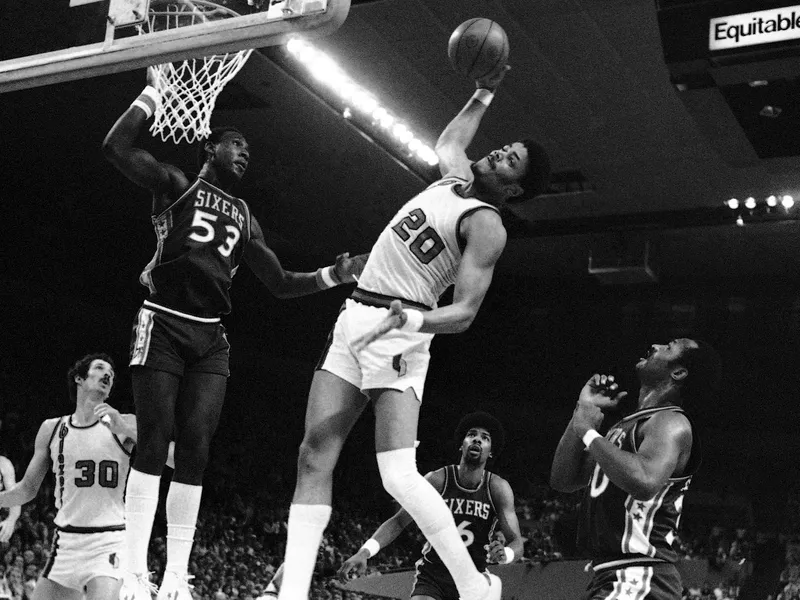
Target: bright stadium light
<point x="772" y="201"/>
<point x="750" y="203"/>
<point x="787" y="202"/>
<point x="357" y="98"/>
<point x="733" y="203"/>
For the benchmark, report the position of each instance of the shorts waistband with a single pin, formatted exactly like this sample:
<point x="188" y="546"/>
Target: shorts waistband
<point x="624" y="563"/>
<point x="72" y="529"/>
<point x="179" y="314"/>
<point x="383" y="301"/>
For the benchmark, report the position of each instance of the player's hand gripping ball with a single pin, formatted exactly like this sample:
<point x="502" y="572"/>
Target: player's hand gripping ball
<point x="478" y="47"/>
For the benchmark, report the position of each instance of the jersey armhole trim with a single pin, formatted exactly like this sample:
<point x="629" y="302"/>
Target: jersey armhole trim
<point x="121" y="444"/>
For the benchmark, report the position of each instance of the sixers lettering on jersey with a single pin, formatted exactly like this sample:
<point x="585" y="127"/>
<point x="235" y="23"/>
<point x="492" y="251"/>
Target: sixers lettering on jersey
<point x="474" y="513"/>
<point x="201" y="239"/>
<point x="416" y="257"/>
<point x="615" y="527"/>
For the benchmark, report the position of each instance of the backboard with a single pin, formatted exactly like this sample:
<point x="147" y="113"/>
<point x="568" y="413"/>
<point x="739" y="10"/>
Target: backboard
<point x="43" y="43"/>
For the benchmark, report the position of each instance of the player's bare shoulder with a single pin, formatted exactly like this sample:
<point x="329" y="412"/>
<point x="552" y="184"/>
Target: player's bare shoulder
<point x="437" y="478"/>
<point x="669" y="424"/>
<point x="485" y="229"/>
<point x="174" y="186"/>
<point x="500" y="489"/>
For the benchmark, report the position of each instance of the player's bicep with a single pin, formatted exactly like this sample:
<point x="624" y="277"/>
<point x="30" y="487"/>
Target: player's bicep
<point x="7" y="472"/>
<point x="662" y="443"/>
<point x="504" y="504"/>
<point x="262" y="260"/>
<point x="37" y="467"/>
<point x="486" y="238"/>
<point x="143" y="169"/>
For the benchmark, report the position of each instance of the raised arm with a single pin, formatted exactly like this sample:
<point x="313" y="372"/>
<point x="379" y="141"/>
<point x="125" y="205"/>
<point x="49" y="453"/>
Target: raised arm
<point x="666" y="439"/>
<point x="385" y="534"/>
<point x="572" y="465"/>
<point x="289" y="284"/>
<point x="451" y="147"/>
<point x="26" y="490"/>
<point x="123" y="426"/>
<point x="503" y="497"/>
<point x="9" y="479"/>
<point x="136" y="164"/>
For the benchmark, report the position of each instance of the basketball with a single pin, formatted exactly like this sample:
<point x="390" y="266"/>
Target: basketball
<point x="478" y="47"/>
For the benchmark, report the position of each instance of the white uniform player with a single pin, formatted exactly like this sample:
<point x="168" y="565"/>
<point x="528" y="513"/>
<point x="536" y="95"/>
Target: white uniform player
<point x="450" y="234"/>
<point x="415" y="259"/>
<point x="91" y="465"/>
<point x="90" y="455"/>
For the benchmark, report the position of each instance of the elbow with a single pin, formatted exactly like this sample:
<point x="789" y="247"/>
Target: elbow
<point x="645" y="490"/>
<point x="111" y="149"/>
<point x="464" y="323"/>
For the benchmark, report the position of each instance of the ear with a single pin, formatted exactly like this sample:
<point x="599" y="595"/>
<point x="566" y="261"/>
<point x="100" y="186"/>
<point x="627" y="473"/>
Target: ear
<point x="679" y="374"/>
<point x="79" y="379"/>
<point x="208" y="147"/>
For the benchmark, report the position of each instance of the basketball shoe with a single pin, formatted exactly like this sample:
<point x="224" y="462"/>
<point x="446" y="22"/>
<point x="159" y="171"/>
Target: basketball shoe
<point x="175" y="587"/>
<point x="136" y="586"/>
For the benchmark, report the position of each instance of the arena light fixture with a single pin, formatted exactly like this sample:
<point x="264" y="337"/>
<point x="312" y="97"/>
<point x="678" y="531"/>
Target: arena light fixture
<point x="772" y="201"/>
<point x="750" y="203"/>
<point x="733" y="203"/>
<point x="358" y="99"/>
<point x="787" y="202"/>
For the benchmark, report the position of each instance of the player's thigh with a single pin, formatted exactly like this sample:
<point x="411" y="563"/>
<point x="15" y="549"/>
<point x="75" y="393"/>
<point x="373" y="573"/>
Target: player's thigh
<point x="50" y="590"/>
<point x="396" y="418"/>
<point x="200" y="404"/>
<point x="155" y="394"/>
<point x="334" y="406"/>
<point x="103" y="588"/>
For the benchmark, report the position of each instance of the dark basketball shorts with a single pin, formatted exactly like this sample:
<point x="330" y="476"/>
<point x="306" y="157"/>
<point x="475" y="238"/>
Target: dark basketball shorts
<point x="434" y="580"/>
<point x="170" y="341"/>
<point x="659" y="581"/>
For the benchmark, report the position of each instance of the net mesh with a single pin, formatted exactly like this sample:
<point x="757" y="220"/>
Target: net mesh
<point x="189" y="88"/>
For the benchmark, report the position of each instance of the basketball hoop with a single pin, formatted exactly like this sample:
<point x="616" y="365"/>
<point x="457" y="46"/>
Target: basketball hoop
<point x="189" y="89"/>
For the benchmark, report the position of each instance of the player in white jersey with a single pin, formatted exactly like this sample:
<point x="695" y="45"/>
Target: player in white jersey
<point x="450" y="234"/>
<point x="89" y="451"/>
<point x="7" y="481"/>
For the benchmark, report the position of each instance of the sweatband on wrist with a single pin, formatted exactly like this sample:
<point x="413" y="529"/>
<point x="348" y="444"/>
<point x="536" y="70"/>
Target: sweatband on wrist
<point x="590" y="436"/>
<point x="483" y="96"/>
<point x="414" y="320"/>
<point x="326" y="278"/>
<point x="509" y="554"/>
<point x="371" y="546"/>
<point x="148" y="101"/>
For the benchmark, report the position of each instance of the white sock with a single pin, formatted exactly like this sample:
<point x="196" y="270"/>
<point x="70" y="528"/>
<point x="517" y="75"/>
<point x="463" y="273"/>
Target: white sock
<point x="141" y="501"/>
<point x="307" y="522"/>
<point x="183" y="505"/>
<point x="401" y="479"/>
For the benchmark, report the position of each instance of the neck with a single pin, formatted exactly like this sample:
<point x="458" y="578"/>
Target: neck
<point x="84" y="410"/>
<point x="210" y="174"/>
<point x="470" y="475"/>
<point x="656" y="395"/>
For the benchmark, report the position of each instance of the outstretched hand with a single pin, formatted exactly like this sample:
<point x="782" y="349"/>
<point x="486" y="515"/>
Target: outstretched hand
<point x="394" y="320"/>
<point x="348" y="269"/>
<point x="493" y="79"/>
<point x="355" y="566"/>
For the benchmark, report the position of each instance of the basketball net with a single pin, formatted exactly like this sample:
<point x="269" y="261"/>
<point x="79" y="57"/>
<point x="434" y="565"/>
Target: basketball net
<point x="189" y="89"/>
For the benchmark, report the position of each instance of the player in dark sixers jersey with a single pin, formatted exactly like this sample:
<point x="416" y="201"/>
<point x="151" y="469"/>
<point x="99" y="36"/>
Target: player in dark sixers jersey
<point x="179" y="350"/>
<point x="637" y="475"/>
<point x="479" y="501"/>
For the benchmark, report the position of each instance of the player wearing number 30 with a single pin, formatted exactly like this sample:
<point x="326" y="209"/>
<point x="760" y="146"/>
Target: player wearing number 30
<point x="89" y="451"/>
<point x="479" y="500"/>
<point x="179" y="350"/>
<point x="450" y="234"/>
<point x="636" y="476"/>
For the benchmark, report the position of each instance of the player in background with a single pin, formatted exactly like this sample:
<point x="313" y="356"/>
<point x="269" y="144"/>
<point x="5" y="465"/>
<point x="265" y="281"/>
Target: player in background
<point x="89" y="452"/>
<point x="478" y="500"/>
<point x="179" y="350"/>
<point x="636" y="476"/>
<point x="7" y="481"/>
<point x="449" y="234"/>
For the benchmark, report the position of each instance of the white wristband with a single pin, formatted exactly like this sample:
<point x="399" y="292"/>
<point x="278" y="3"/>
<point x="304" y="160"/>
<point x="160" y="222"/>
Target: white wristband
<point x="509" y="554"/>
<point x="414" y="320"/>
<point x="326" y="278"/>
<point x="372" y="547"/>
<point x="590" y="436"/>
<point x="148" y="101"/>
<point x="483" y="96"/>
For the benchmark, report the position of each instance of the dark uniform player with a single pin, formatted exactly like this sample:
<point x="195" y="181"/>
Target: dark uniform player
<point x="478" y="500"/>
<point x="638" y="473"/>
<point x="179" y="350"/>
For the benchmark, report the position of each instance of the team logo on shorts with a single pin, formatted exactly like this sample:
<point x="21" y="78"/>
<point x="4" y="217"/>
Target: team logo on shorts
<point x="399" y="365"/>
<point x="113" y="560"/>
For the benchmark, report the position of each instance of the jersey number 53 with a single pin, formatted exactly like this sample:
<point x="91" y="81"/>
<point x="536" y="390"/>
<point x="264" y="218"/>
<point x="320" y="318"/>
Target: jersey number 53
<point x="427" y="244"/>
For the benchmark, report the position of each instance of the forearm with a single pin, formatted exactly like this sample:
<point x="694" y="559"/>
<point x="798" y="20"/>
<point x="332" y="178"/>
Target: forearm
<point x="123" y="134"/>
<point x="516" y="544"/>
<point x="14" y="498"/>
<point x="13" y="513"/>
<point x="625" y="469"/>
<point x="294" y="285"/>
<point x="388" y="531"/>
<point x="454" y="318"/>
<point x="460" y="132"/>
<point x="569" y="463"/>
